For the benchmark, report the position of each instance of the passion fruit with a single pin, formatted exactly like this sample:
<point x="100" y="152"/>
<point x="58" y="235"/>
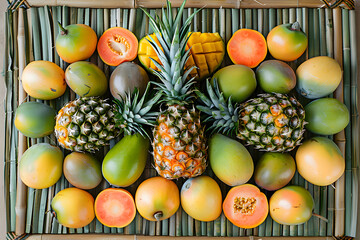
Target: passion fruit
<point x="125" y="78"/>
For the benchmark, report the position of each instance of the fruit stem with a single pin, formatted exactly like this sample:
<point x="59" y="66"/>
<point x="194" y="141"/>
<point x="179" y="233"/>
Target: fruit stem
<point x="320" y="217"/>
<point x="158" y="215"/>
<point x="295" y="26"/>
<point x="63" y="31"/>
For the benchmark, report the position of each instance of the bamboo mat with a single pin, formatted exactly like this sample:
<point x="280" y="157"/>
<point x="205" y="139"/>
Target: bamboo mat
<point x="30" y="36"/>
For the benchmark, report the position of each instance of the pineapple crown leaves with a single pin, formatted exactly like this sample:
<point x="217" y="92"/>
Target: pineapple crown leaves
<point x="221" y="113"/>
<point x="172" y="54"/>
<point x="132" y="113"/>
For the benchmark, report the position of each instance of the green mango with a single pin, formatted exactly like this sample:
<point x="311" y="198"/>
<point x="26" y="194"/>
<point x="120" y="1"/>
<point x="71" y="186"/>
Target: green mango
<point x="230" y="160"/>
<point x="125" y="162"/>
<point x="35" y="119"/>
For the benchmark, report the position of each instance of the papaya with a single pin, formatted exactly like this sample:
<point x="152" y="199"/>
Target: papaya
<point x="247" y="47"/>
<point x="115" y="207"/>
<point x="207" y="51"/>
<point x="245" y="206"/>
<point x="117" y="45"/>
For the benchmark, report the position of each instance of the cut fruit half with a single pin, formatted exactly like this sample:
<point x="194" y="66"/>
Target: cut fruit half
<point x="115" y="207"/>
<point x="245" y="206"/>
<point x="117" y="45"/>
<point x="206" y="53"/>
<point x="247" y="47"/>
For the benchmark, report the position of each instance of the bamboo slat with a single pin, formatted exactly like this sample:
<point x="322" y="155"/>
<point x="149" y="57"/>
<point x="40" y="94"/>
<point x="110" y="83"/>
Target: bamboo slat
<point x="339" y="138"/>
<point x="177" y="3"/>
<point x="20" y="207"/>
<point x="317" y="23"/>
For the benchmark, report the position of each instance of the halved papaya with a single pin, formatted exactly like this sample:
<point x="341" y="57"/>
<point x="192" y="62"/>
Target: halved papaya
<point x="206" y="53"/>
<point x="115" y="207"/>
<point x="245" y="206"/>
<point x="247" y="47"/>
<point x="117" y="45"/>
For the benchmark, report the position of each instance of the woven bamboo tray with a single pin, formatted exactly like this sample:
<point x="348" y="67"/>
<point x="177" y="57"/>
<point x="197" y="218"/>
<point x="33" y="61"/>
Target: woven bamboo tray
<point x="30" y="35"/>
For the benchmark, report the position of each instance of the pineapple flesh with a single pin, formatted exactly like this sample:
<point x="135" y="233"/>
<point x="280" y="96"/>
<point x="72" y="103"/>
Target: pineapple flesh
<point x="85" y="124"/>
<point x="270" y="122"/>
<point x="179" y="144"/>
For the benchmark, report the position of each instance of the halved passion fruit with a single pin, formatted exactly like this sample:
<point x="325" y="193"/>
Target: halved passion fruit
<point x="247" y="47"/>
<point x="117" y="45"/>
<point x="245" y="206"/>
<point x="115" y="207"/>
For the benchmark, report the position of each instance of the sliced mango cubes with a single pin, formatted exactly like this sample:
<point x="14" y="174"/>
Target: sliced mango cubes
<point x="207" y="51"/>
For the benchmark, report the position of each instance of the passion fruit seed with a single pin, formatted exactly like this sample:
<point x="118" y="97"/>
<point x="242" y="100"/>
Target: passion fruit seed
<point x="119" y="44"/>
<point x="244" y="205"/>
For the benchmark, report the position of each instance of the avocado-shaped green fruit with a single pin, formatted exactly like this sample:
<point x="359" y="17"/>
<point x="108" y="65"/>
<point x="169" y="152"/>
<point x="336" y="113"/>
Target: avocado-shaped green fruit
<point x="230" y="160"/>
<point x="274" y="170"/>
<point x="237" y="81"/>
<point x="86" y="79"/>
<point x="326" y="116"/>
<point x="275" y="76"/>
<point x="125" y="162"/>
<point x="35" y="119"/>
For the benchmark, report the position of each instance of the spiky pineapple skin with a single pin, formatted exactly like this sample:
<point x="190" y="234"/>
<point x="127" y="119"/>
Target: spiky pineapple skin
<point x="179" y="144"/>
<point x="272" y="122"/>
<point x="85" y="124"/>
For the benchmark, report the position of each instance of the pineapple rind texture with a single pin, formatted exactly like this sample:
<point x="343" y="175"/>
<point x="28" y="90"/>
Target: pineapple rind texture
<point x="85" y="124"/>
<point x="272" y="122"/>
<point x="179" y="145"/>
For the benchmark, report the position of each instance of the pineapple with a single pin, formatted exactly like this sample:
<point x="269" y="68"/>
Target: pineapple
<point x="179" y="144"/>
<point x="88" y="123"/>
<point x="271" y="122"/>
<point x="85" y="124"/>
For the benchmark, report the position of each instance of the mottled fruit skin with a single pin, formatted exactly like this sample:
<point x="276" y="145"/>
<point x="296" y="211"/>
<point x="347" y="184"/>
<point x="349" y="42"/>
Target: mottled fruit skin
<point x="287" y="42"/>
<point x="35" y="119"/>
<point x="237" y="81"/>
<point x="276" y="77"/>
<point x="115" y="207"/>
<point x="320" y="161"/>
<point x="77" y="43"/>
<point x="125" y="162"/>
<point x="125" y="78"/>
<point x="82" y="170"/>
<point x="253" y="209"/>
<point x="318" y="77"/>
<point x="230" y="160"/>
<point x="201" y="198"/>
<point x="86" y="79"/>
<point x="73" y="207"/>
<point x="43" y="80"/>
<point x="326" y="116"/>
<point x="291" y="205"/>
<point x="274" y="170"/>
<point x="157" y="198"/>
<point x="41" y="166"/>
